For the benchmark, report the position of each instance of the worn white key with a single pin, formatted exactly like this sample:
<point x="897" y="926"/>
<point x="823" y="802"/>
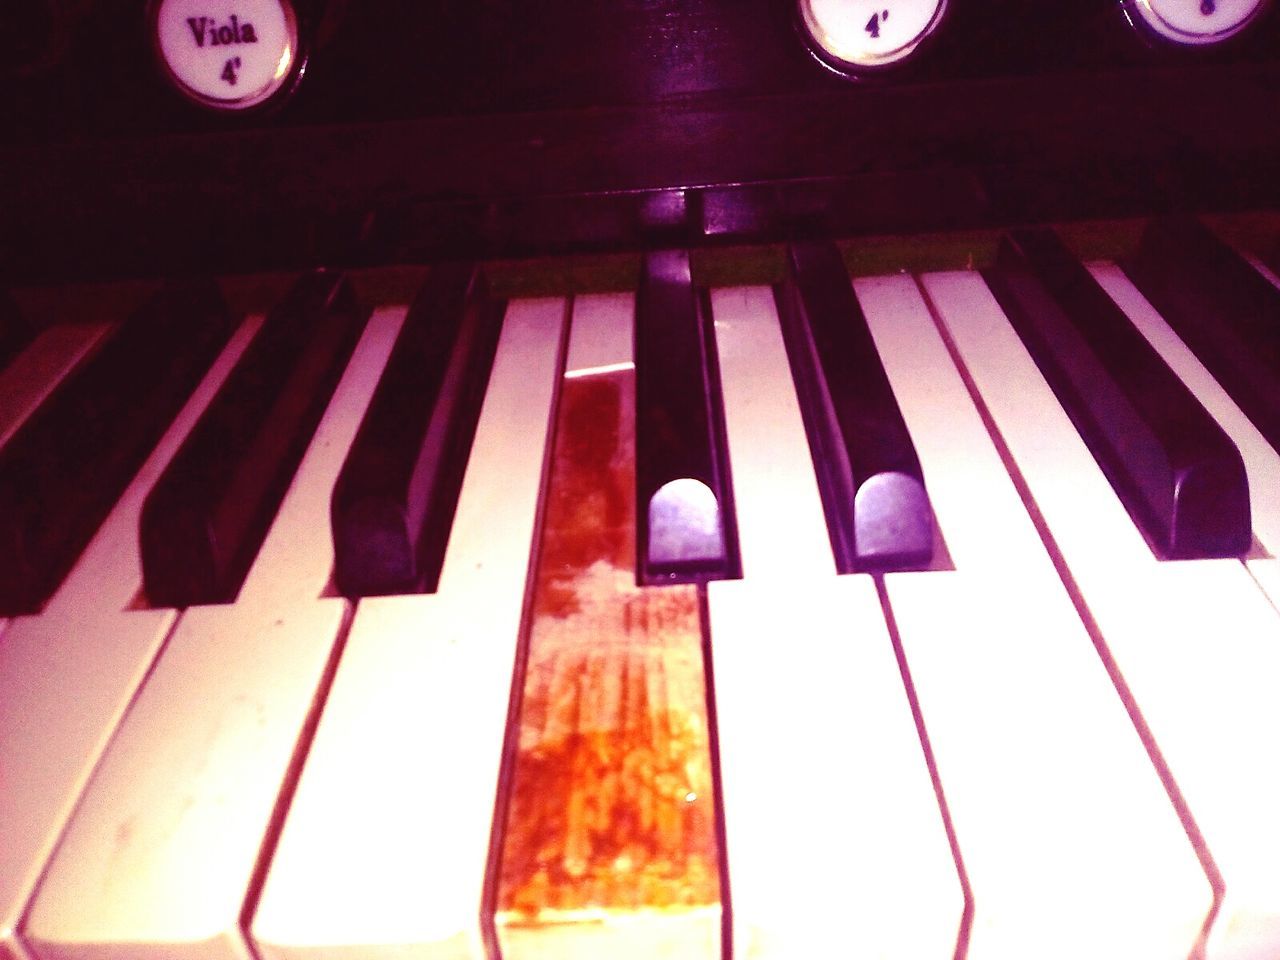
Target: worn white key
<point x="384" y="849"/>
<point x="833" y="829"/>
<point x="1261" y="460"/>
<point x="67" y="675"/>
<point x="162" y="851"/>
<point x="1194" y="642"/>
<point x="1059" y="815"/>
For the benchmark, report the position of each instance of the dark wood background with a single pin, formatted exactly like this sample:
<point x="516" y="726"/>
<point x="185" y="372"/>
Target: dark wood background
<point x="424" y="130"/>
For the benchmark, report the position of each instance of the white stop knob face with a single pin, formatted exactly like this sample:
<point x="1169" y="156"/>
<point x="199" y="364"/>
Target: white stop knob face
<point x="862" y="34"/>
<point x="1197" y="22"/>
<point x="227" y="54"/>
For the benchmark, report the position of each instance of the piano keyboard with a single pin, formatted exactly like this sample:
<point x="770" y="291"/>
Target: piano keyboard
<point x="1044" y="743"/>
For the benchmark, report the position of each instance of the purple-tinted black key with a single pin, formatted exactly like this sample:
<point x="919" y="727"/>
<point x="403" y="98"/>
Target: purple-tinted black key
<point x="872" y="486"/>
<point x="1221" y="307"/>
<point x="1176" y="471"/>
<point x="395" y="499"/>
<point x="207" y="516"/>
<point x="686" y="530"/>
<point x="65" y="468"/>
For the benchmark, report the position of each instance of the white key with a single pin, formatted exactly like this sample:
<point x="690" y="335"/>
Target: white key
<point x="1266" y="570"/>
<point x="1261" y="460"/>
<point x="602" y="331"/>
<point x="161" y="853"/>
<point x="384" y="849"/>
<point x="67" y="675"/>
<point x="1058" y="812"/>
<point x="1194" y="642"/>
<point x="833" y="830"/>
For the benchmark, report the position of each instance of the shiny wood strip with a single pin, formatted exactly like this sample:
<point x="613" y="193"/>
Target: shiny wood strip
<point x="608" y="846"/>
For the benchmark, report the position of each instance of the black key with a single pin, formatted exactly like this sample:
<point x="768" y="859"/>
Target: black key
<point x="1221" y="307"/>
<point x="395" y="498"/>
<point x="15" y="331"/>
<point x="685" y="527"/>
<point x="872" y="487"/>
<point x="1177" y="473"/>
<point x="67" y="465"/>
<point x="207" y="516"/>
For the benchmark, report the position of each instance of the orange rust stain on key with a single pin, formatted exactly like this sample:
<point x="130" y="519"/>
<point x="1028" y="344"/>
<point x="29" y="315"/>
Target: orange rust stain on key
<point x="609" y="847"/>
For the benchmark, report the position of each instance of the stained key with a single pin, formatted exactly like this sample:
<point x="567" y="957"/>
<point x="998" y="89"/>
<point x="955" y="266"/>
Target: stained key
<point x="607" y="837"/>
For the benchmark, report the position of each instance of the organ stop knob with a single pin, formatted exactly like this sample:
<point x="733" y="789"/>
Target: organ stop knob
<point x="227" y="54"/>
<point x="859" y="35"/>
<point x="1196" y="22"/>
